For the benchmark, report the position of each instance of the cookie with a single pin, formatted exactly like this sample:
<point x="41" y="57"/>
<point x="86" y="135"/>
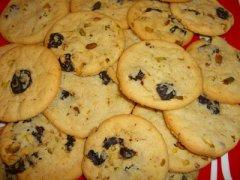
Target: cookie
<point x="154" y="20"/>
<point x="220" y="64"/>
<point x="206" y="127"/>
<point x="125" y="147"/>
<point x="159" y="74"/>
<point x="130" y="39"/>
<point x="86" y="42"/>
<point x="34" y="149"/>
<point x="114" y="9"/>
<point x="206" y="17"/>
<point x="29" y="80"/>
<point x="183" y="176"/>
<point x="28" y="21"/>
<point x="4" y="49"/>
<point x="84" y="102"/>
<point x="180" y="159"/>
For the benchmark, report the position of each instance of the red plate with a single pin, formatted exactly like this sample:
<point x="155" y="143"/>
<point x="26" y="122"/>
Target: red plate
<point x="228" y="166"/>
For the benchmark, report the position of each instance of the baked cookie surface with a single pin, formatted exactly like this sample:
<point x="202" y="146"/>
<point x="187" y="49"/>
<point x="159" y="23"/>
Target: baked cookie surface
<point x="114" y="9"/>
<point x="154" y="20"/>
<point x="180" y="159"/>
<point x="117" y="150"/>
<point x="86" y="42"/>
<point x="206" y="17"/>
<point x="84" y="102"/>
<point x="206" y="127"/>
<point x="28" y="21"/>
<point x="30" y="77"/>
<point x="159" y="74"/>
<point x="220" y="65"/>
<point x="183" y="176"/>
<point x="34" y="149"/>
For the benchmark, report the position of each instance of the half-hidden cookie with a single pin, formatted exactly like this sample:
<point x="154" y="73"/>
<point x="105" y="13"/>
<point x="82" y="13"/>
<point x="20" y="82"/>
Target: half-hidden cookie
<point x="154" y="20"/>
<point x="84" y="102"/>
<point x="159" y="74"/>
<point x="125" y="147"/>
<point x="115" y="9"/>
<point x="86" y="42"/>
<point x="29" y="80"/>
<point x="130" y="39"/>
<point x="220" y="65"/>
<point x="180" y="159"/>
<point x="28" y="21"/>
<point x="207" y="17"/>
<point x="183" y="176"/>
<point x="34" y="149"/>
<point x="206" y="127"/>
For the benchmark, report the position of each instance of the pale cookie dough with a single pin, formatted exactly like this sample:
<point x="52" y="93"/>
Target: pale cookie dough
<point x="154" y="20"/>
<point x="86" y="42"/>
<point x="29" y="81"/>
<point x="207" y="17"/>
<point x="180" y="159"/>
<point x="220" y="65"/>
<point x="28" y="21"/>
<point x="84" y="102"/>
<point x="116" y="9"/>
<point x="159" y="74"/>
<point x="34" y="149"/>
<point x="206" y="127"/>
<point x="125" y="147"/>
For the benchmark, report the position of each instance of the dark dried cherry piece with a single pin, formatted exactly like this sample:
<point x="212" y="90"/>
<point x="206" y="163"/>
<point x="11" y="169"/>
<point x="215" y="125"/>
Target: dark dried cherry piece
<point x="55" y="40"/>
<point x="165" y="91"/>
<point x="65" y="94"/>
<point x="70" y="142"/>
<point x="95" y="158"/>
<point x="13" y="7"/>
<point x="66" y="63"/>
<point x="213" y="106"/>
<point x="139" y="76"/>
<point x="127" y="153"/>
<point x="228" y="80"/>
<point x="15" y="168"/>
<point x="105" y="77"/>
<point x="21" y="80"/>
<point x="96" y="6"/>
<point x="108" y="142"/>
<point x="222" y="13"/>
<point x="153" y="9"/>
<point x="38" y="133"/>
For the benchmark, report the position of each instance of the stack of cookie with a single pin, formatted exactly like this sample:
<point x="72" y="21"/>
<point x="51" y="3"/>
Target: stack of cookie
<point x="105" y="90"/>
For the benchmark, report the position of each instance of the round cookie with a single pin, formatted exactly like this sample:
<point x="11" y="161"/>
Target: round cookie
<point x="86" y="42"/>
<point x="159" y="74"/>
<point x="130" y="39"/>
<point x="220" y="64"/>
<point x="154" y="20"/>
<point x="206" y="127"/>
<point x="180" y="159"/>
<point x="28" y="21"/>
<point x="29" y="80"/>
<point x="183" y="176"/>
<point x="125" y="147"/>
<point x="115" y="9"/>
<point x="84" y="102"/>
<point x="207" y="17"/>
<point x="34" y="149"/>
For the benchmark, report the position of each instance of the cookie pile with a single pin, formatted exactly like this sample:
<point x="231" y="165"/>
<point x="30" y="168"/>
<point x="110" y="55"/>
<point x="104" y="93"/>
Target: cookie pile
<point x="105" y="89"/>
